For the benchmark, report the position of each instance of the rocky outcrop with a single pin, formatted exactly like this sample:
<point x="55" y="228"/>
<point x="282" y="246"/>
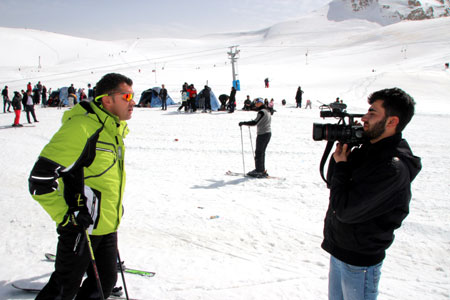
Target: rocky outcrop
<point x="387" y="12"/>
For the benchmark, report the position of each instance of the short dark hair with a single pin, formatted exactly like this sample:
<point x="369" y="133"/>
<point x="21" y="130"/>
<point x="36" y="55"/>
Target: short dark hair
<point x="110" y="82"/>
<point x="396" y="102"/>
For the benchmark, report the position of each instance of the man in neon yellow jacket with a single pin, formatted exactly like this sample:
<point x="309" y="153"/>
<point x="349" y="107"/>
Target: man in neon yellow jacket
<point x="79" y="179"/>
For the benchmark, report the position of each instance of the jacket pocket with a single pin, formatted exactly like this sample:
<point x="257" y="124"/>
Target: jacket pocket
<point x="105" y="158"/>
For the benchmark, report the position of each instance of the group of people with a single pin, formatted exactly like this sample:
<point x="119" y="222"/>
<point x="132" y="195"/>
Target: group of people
<point x="31" y="96"/>
<point x="70" y="96"/>
<point x="25" y="99"/>
<point x="370" y="191"/>
<point x="189" y="98"/>
<point x="251" y="104"/>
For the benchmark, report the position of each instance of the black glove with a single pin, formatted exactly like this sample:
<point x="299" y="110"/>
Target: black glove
<point x="83" y="219"/>
<point x="241" y="123"/>
<point x="79" y="214"/>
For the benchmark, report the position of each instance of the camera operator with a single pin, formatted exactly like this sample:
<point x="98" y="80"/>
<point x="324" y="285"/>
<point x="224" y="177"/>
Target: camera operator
<point x="370" y="191"/>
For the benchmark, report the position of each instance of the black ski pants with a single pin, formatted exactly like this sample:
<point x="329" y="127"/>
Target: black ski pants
<point x="6" y="101"/>
<point x="30" y="110"/>
<point x="70" y="267"/>
<point x="262" y="141"/>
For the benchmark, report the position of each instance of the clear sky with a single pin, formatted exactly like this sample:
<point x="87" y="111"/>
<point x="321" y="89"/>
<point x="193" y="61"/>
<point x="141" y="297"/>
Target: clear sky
<point x="118" y="19"/>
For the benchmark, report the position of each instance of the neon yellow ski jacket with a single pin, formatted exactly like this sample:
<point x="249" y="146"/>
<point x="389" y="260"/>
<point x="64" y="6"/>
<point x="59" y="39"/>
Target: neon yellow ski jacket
<point x="86" y="155"/>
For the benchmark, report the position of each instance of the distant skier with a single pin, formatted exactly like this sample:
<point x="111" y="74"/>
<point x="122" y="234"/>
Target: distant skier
<point x="232" y="100"/>
<point x="29" y="107"/>
<point x="207" y="96"/>
<point x="17" y="106"/>
<point x="163" y="97"/>
<point x="72" y="96"/>
<point x="298" y="97"/>
<point x="264" y="133"/>
<point x="192" y="96"/>
<point x="90" y="92"/>
<point x="308" y="104"/>
<point x="266" y="82"/>
<point x="6" y="100"/>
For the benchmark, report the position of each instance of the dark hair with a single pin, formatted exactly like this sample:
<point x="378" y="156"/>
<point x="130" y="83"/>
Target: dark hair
<point x="396" y="102"/>
<point x="110" y="82"/>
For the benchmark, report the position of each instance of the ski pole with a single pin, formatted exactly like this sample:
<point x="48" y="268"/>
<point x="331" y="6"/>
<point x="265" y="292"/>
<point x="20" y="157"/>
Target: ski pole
<point x="123" y="276"/>
<point x="251" y="142"/>
<point x="242" y="146"/>
<point x="94" y="265"/>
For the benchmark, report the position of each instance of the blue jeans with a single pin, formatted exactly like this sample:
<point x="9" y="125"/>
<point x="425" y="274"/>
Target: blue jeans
<point x="348" y="282"/>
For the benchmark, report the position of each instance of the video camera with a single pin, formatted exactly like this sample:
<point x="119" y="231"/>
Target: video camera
<point x="344" y="132"/>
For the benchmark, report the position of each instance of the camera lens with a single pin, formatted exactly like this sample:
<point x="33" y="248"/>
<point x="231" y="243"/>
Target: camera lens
<point x="318" y="131"/>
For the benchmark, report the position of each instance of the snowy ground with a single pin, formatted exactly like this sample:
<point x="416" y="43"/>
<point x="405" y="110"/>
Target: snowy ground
<point x="265" y="243"/>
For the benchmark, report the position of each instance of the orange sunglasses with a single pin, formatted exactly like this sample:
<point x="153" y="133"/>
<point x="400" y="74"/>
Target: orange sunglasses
<point x="125" y="96"/>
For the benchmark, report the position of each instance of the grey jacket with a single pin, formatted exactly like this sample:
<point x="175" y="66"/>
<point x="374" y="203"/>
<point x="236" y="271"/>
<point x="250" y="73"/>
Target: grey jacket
<point x="262" y="121"/>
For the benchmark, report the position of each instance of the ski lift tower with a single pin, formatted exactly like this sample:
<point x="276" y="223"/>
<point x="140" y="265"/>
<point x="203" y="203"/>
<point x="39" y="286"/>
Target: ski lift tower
<point x="233" y="54"/>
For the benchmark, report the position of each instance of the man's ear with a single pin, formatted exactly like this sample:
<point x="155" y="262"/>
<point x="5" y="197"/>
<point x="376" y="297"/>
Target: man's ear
<point x="106" y="101"/>
<point x="392" y="122"/>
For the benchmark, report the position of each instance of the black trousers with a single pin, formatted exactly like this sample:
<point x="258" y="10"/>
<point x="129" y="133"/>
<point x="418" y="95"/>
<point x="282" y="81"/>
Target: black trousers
<point x="6" y="102"/>
<point x="30" y="109"/>
<point x="262" y="141"/>
<point x="70" y="267"/>
<point x="192" y="104"/>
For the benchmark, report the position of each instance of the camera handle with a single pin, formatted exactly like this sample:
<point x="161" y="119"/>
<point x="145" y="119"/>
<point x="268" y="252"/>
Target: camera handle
<point x="326" y="152"/>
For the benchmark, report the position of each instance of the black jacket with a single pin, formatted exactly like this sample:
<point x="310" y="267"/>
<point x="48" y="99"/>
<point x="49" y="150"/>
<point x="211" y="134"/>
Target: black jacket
<point x="17" y="101"/>
<point x="163" y="94"/>
<point x="369" y="198"/>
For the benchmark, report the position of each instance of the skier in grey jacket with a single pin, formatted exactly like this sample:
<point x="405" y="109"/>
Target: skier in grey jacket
<point x="264" y="133"/>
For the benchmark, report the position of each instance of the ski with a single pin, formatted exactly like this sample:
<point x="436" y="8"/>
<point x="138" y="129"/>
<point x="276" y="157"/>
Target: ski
<point x="230" y="173"/>
<point x="52" y="257"/>
<point x="37" y="290"/>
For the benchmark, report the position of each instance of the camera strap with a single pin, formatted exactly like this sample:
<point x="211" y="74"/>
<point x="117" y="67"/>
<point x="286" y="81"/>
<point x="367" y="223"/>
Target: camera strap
<point x="324" y="159"/>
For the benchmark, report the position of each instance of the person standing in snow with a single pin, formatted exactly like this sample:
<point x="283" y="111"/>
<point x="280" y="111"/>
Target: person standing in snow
<point x="79" y="179"/>
<point x="298" y="97"/>
<point x="232" y="100"/>
<point x="24" y="100"/>
<point x="163" y="97"/>
<point x="72" y="95"/>
<point x="44" y="96"/>
<point x="90" y="92"/>
<point x="6" y="100"/>
<point x="29" y="107"/>
<point x="263" y="128"/>
<point x="207" y="96"/>
<point x="192" y="96"/>
<point x="17" y="106"/>
<point x="370" y="191"/>
<point x="39" y="91"/>
<point x="184" y="99"/>
<point x="266" y="83"/>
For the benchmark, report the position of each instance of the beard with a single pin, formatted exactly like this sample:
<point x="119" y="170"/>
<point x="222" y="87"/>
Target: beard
<point x="376" y="130"/>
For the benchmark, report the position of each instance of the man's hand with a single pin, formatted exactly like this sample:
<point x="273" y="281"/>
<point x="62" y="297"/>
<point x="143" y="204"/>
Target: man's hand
<point x="241" y="123"/>
<point x="83" y="218"/>
<point x="80" y="215"/>
<point x="341" y="153"/>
